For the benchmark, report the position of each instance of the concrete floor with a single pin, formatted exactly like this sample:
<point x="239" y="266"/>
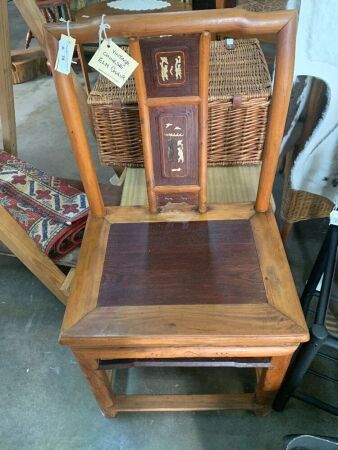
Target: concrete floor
<point x="45" y="401"/>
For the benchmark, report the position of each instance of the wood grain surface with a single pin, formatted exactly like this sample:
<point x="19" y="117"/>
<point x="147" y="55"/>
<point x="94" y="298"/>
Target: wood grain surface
<point x="187" y="48"/>
<point x="167" y="170"/>
<point x="133" y="214"/>
<point x="181" y="263"/>
<point x="252" y="325"/>
<point x="234" y="22"/>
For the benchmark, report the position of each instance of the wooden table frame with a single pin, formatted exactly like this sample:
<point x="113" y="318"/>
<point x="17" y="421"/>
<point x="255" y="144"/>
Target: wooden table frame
<point x="84" y="325"/>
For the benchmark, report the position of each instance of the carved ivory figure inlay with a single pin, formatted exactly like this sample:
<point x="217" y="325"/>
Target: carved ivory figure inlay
<point x="174" y="143"/>
<point x="170" y="67"/>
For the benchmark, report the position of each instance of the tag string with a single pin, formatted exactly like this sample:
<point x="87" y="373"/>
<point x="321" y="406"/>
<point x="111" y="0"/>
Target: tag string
<point x="67" y="24"/>
<point x="102" y="30"/>
<point x="61" y="19"/>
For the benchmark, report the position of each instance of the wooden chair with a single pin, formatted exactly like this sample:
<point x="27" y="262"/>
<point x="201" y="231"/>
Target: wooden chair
<point x="53" y="11"/>
<point x="185" y="282"/>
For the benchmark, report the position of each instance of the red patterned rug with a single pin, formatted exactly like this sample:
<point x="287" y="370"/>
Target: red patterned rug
<point x="52" y="212"/>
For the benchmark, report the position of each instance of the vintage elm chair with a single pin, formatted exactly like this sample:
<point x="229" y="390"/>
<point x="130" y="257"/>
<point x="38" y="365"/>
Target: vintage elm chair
<point x="184" y="282"/>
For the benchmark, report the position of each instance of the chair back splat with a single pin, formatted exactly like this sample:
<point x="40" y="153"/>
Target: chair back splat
<point x="172" y="87"/>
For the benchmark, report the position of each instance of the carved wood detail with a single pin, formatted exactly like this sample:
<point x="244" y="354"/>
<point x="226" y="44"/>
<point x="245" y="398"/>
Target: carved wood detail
<point x="171" y="65"/>
<point x="174" y="132"/>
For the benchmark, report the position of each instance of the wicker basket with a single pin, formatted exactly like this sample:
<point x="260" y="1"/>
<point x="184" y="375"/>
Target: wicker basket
<point x="262" y="5"/>
<point x="28" y="64"/>
<point x="239" y="97"/>
<point x="301" y="205"/>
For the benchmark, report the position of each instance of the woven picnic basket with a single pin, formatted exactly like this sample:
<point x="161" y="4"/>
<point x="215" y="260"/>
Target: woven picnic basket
<point x="239" y="97"/>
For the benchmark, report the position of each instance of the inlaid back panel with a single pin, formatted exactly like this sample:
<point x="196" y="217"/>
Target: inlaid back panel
<point x="171" y="65"/>
<point x="174" y="132"/>
<point x="169" y="75"/>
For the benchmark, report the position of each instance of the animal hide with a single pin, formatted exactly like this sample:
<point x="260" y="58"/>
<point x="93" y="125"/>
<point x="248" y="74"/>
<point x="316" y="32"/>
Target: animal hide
<point x="316" y="168"/>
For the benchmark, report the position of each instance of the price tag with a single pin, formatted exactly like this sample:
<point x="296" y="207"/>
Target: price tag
<point x="334" y="217"/>
<point x="113" y="63"/>
<point x="65" y="54"/>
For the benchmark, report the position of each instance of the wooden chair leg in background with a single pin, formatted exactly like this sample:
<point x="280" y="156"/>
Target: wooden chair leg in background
<point x="100" y="383"/>
<point x="269" y="381"/>
<point x="17" y="240"/>
<point x="29" y="37"/>
<point x="7" y="111"/>
<point x="35" y="21"/>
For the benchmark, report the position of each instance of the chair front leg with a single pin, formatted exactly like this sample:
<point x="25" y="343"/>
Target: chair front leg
<point x="269" y="381"/>
<point x="99" y="381"/>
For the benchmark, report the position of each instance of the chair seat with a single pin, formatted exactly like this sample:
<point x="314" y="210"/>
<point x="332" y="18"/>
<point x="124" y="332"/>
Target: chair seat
<point x="219" y="278"/>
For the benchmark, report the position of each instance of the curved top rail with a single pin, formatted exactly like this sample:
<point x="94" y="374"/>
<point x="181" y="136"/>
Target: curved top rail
<point x="236" y="22"/>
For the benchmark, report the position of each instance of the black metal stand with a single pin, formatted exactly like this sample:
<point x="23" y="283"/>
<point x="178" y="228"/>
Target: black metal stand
<point x="319" y="336"/>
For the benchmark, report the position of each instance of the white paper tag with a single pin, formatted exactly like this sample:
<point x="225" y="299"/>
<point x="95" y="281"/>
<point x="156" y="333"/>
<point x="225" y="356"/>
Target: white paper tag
<point x="334" y="217"/>
<point x="65" y="54"/>
<point x="113" y="63"/>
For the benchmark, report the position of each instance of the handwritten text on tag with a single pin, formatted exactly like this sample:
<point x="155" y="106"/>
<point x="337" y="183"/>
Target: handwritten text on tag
<point x="112" y="62"/>
<point x="65" y="54"/>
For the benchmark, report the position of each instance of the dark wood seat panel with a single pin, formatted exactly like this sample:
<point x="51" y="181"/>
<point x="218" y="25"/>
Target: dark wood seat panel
<point x="181" y="263"/>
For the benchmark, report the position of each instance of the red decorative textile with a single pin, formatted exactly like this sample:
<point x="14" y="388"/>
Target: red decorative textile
<point x="52" y="212"/>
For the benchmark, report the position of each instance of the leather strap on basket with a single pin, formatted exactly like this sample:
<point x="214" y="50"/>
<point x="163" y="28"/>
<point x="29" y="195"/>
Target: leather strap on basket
<point x="172" y="88"/>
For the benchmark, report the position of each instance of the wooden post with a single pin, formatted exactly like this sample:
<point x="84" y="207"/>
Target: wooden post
<point x="135" y="52"/>
<point x="269" y="382"/>
<point x="99" y="381"/>
<point x="7" y="111"/>
<point x="203" y="118"/>
<point x="278" y="111"/>
<point x="29" y="253"/>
